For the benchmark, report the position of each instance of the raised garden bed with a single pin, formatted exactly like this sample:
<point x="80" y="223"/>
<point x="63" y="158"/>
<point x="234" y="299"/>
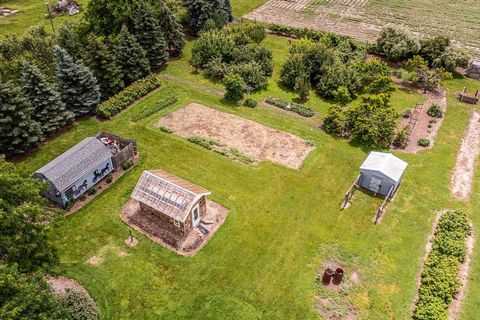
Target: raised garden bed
<point x="291" y="106"/>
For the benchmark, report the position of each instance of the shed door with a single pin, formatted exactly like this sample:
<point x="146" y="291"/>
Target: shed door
<point x="196" y="215"/>
<point x="375" y="184"/>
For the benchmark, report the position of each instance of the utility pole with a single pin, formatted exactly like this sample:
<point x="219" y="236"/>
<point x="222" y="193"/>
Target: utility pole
<point x="49" y="15"/>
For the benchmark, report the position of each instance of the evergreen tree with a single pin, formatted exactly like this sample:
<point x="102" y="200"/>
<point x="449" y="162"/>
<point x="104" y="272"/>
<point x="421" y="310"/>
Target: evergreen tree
<point x="104" y="67"/>
<point x="201" y="11"/>
<point x="69" y="40"/>
<point x="150" y="36"/>
<point x="18" y="131"/>
<point x="172" y="29"/>
<point x="48" y="109"/>
<point x="78" y="86"/>
<point x="131" y="57"/>
<point x="225" y="9"/>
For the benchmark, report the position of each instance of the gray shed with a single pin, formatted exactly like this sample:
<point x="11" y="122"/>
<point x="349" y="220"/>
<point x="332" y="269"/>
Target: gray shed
<point x="473" y="71"/>
<point x="382" y="173"/>
<point x="75" y="171"/>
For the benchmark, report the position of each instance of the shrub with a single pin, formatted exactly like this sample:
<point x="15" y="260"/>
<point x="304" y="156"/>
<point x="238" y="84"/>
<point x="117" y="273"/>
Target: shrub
<point x="165" y="129"/>
<point x="235" y="87"/>
<point x="397" y="43"/>
<point x="160" y="105"/>
<point x="109" y="178"/>
<point x="249" y="102"/>
<point x="440" y="275"/>
<point x="127" y="164"/>
<point x="82" y="197"/>
<point x="401" y="139"/>
<point x="434" y="111"/>
<point x="79" y="305"/>
<point x="126" y="97"/>
<point x="91" y="191"/>
<point x="216" y="69"/>
<point x="423" y="142"/>
<point x="251" y="74"/>
<point x="335" y="121"/>
<point x="203" y="142"/>
<point x="407" y="113"/>
<point x="291" y="106"/>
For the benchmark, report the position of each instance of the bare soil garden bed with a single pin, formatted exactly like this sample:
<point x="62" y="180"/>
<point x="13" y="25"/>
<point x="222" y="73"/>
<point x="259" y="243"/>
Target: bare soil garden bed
<point x="155" y="229"/>
<point x="254" y="140"/>
<point x="426" y="126"/>
<point x="463" y="172"/>
<point x="59" y="285"/>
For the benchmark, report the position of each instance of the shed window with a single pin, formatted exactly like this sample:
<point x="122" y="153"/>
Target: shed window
<point x="176" y="223"/>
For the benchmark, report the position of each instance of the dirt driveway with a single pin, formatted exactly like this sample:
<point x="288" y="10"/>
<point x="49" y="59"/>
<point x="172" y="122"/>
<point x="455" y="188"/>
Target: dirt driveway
<point x="251" y="138"/>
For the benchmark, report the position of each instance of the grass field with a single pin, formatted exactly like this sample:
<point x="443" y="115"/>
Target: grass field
<point x="282" y="223"/>
<point x="362" y="19"/>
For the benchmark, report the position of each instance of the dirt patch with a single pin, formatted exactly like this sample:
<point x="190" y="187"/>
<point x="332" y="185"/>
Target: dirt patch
<point x="5" y="12"/>
<point x="420" y="123"/>
<point x="160" y="232"/>
<point x="254" y="140"/>
<point x="94" y="261"/>
<point x="59" y="285"/>
<point x="330" y="309"/>
<point x="462" y="178"/>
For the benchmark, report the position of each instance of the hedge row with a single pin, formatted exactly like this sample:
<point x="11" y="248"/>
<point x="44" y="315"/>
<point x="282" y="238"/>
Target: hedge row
<point x="162" y="104"/>
<point x="127" y="96"/>
<point x="439" y="281"/>
<point x="308" y="33"/>
<point x="291" y="106"/>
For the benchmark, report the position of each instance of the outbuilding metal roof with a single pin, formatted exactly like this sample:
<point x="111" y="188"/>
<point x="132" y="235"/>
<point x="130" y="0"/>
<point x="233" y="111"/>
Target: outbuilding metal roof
<point x="385" y="163"/>
<point x="167" y="193"/>
<point x="75" y="163"/>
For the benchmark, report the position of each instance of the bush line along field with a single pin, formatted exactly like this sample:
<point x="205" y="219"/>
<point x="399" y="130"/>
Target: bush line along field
<point x="277" y="231"/>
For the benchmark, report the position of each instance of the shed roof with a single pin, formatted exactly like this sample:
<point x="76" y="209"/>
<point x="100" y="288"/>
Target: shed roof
<point x="167" y="193"/>
<point x="385" y="163"/>
<point x="476" y="63"/>
<point x="75" y="163"/>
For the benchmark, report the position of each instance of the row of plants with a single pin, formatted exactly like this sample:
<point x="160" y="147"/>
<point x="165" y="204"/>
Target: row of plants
<point x="160" y="105"/>
<point x="440" y="281"/>
<point x="291" y="106"/>
<point x="231" y="153"/>
<point x="127" y="96"/>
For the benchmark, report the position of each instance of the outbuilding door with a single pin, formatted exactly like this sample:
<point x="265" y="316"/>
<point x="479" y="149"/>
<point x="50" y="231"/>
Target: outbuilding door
<point x="375" y="184"/>
<point x="196" y="215"/>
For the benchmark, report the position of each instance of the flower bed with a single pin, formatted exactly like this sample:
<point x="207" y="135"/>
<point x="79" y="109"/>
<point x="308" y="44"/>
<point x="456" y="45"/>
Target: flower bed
<point x="291" y="106"/>
<point x="127" y="96"/>
<point x="440" y="280"/>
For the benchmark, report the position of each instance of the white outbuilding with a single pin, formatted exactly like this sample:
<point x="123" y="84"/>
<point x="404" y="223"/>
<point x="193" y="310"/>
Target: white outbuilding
<point x="382" y="173"/>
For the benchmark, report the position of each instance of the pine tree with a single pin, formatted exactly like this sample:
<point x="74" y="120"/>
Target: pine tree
<point x="48" y="109"/>
<point x="18" y="131"/>
<point x="150" y="36"/>
<point x="69" y="40"/>
<point x="172" y="29"/>
<point x="131" y="57"/>
<point x="225" y="9"/>
<point x="77" y="84"/>
<point x="218" y="12"/>
<point x="104" y="67"/>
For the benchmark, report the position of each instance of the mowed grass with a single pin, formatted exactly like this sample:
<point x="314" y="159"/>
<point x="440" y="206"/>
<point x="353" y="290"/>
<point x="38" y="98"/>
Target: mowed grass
<point x="263" y="261"/>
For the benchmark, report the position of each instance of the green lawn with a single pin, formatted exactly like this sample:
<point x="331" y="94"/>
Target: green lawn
<point x="282" y="223"/>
